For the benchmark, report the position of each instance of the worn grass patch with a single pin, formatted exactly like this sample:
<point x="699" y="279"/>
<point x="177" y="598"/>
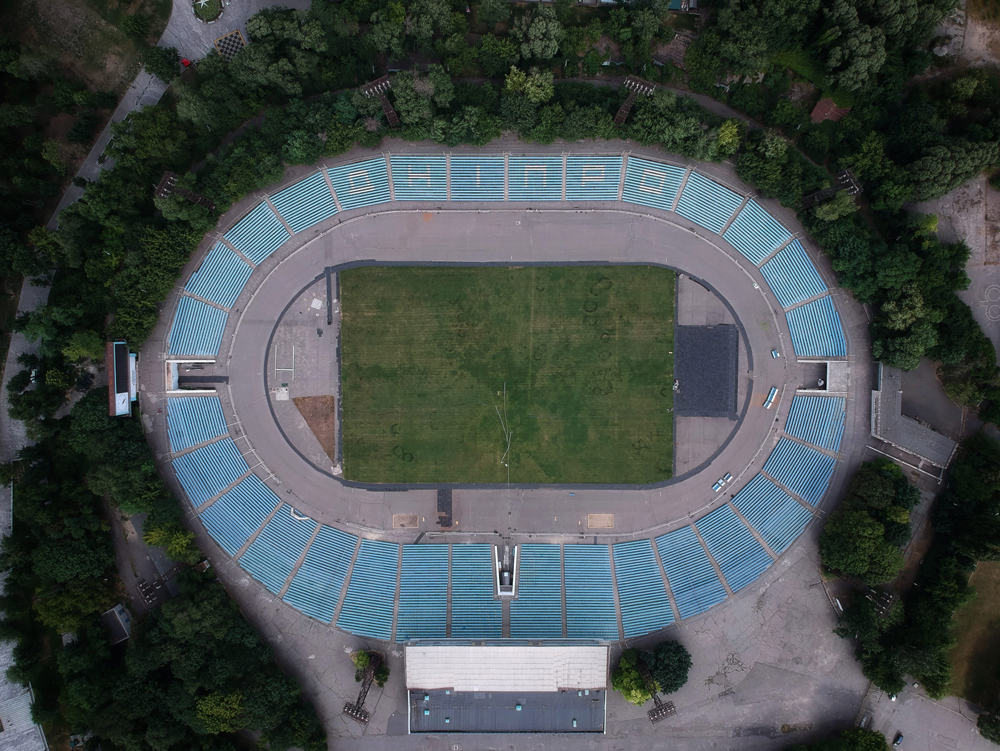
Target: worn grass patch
<point x="585" y="353"/>
<point x="320" y="414"/>
<point x="975" y="659"/>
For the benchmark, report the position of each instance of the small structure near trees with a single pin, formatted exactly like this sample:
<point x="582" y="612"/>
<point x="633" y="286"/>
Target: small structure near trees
<point x="377" y="88"/>
<point x="641" y="675"/>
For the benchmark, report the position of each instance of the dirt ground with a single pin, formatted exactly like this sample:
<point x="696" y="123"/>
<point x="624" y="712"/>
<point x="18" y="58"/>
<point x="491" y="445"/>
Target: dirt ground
<point x="976" y="656"/>
<point x="320" y="414"/>
<point x="982" y="33"/>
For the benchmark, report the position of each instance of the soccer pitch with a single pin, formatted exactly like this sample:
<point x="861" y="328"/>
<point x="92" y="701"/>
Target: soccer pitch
<point x="584" y="354"/>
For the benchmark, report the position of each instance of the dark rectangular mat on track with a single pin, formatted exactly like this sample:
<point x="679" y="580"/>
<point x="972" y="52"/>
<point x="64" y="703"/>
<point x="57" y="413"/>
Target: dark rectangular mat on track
<point x="705" y="362"/>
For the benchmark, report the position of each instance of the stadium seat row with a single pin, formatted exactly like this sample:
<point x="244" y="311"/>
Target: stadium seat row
<point x="815" y="326"/>
<point x="431" y="576"/>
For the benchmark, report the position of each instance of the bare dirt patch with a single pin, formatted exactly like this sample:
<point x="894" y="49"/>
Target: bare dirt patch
<point x="320" y="414"/>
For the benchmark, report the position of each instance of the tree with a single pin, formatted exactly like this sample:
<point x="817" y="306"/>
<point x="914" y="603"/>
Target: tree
<point x="840" y="205"/>
<point x="536" y="85"/>
<point x="852" y="542"/>
<point x="668" y="663"/>
<point x="84" y="345"/>
<point x="135" y="27"/>
<point x="539" y="33"/>
<point x="730" y="136"/>
<point x="626" y="679"/>
<point x="989" y="724"/>
<point x="16" y="257"/>
<point x="943" y="168"/>
<point x="162" y="62"/>
<point x="492" y="12"/>
<point x="496" y="55"/>
<point x="221" y="713"/>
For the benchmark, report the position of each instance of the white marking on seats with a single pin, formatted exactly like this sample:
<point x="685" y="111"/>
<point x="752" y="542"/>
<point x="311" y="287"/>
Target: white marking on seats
<point x="599" y="178"/>
<point x="534" y="168"/>
<point x="649" y="188"/>
<point x="419" y="175"/>
<point x="364" y="188"/>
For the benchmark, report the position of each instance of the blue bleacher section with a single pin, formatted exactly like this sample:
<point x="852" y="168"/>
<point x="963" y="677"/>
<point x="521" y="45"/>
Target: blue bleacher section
<point x="815" y="329"/>
<point x="474" y="612"/>
<point x="258" y="234"/>
<point x="590" y="596"/>
<point x="776" y="516"/>
<point x="803" y="470"/>
<point x="361" y="183"/>
<point x="641" y="594"/>
<point x="419" y="178"/>
<point x="316" y="588"/>
<point x="792" y="276"/>
<point x="306" y="203"/>
<point x="707" y="203"/>
<point x="534" y="178"/>
<point x="368" y="604"/>
<point x="423" y="593"/>
<point x="477" y="178"/>
<point x="693" y="581"/>
<point x="221" y="277"/>
<point x="274" y="553"/>
<point x="755" y="234"/>
<point x="237" y="514"/>
<point x="593" y="178"/>
<point x="194" y="419"/>
<point x="206" y="471"/>
<point x="197" y="328"/>
<point x="739" y="555"/>
<point x="818" y="420"/>
<point x="537" y="611"/>
<point x="651" y="183"/>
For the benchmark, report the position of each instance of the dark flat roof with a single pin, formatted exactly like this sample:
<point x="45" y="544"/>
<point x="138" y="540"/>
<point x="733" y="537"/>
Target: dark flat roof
<point x="496" y="712"/>
<point x="705" y="362"/>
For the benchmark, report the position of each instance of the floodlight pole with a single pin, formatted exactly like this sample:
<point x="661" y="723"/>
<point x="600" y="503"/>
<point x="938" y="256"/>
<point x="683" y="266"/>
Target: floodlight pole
<point x="168" y="184"/>
<point x="378" y="88"/>
<point x="635" y="86"/>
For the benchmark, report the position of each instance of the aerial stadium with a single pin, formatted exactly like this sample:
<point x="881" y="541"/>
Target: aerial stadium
<point x="506" y="400"/>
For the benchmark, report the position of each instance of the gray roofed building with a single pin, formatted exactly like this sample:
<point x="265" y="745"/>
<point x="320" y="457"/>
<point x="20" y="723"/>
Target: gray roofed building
<point x="895" y="428"/>
<point x="506" y="687"/>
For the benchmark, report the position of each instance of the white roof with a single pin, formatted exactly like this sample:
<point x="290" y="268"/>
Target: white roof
<point x="506" y="668"/>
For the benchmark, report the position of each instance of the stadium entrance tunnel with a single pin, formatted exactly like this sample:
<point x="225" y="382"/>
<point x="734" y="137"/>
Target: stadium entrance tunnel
<point x="593" y="561"/>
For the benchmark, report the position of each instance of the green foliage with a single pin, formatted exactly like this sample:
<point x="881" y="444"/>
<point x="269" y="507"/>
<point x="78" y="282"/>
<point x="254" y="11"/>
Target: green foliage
<point x="862" y="538"/>
<point x="162" y="62"/>
<point x="988" y="724"/>
<point x="840" y="205"/>
<point x="536" y="85"/>
<point x="626" y="680"/>
<point x="777" y="170"/>
<point x="492" y="12"/>
<point x="539" y="33"/>
<point x="135" y="27"/>
<point x="220" y="713"/>
<point x="496" y="54"/>
<point x="854" y="739"/>
<point x="668" y="663"/>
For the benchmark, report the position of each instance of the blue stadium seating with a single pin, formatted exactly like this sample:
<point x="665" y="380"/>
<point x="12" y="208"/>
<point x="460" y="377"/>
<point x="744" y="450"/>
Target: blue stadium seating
<point x="194" y="419"/>
<point x="221" y="277"/>
<point x="537" y="613"/>
<point x="693" y="581"/>
<point x="305" y="203"/>
<point x="477" y="178"/>
<point x="739" y="555"/>
<point x="258" y="234"/>
<point x="316" y="587"/>
<point x="792" y="276"/>
<point x="815" y="329"/>
<point x="237" y="514"/>
<point x="534" y="178"/>
<point x="419" y="178"/>
<point x="651" y="183"/>
<point x="590" y="596"/>
<point x="197" y="328"/>
<point x="707" y="203"/>
<point x="274" y="553"/>
<point x="207" y="471"/>
<point x="593" y="178"/>
<point x="371" y="593"/>
<point x="474" y="612"/>
<point x="818" y="420"/>
<point x="641" y="594"/>
<point x="361" y="183"/>
<point x="423" y="593"/>
<point x="776" y="516"/>
<point x="803" y="470"/>
<point x="755" y="233"/>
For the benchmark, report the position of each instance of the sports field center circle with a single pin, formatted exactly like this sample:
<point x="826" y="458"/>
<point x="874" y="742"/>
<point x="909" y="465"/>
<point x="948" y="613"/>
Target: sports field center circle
<point x="330" y="548"/>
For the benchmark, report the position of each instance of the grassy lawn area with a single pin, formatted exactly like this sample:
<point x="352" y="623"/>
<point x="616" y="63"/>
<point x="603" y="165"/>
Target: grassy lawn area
<point x="207" y="11"/>
<point x="585" y="353"/>
<point x="976" y="657"/>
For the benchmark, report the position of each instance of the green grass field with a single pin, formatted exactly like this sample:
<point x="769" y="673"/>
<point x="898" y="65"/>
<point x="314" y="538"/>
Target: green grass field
<point x="975" y="658"/>
<point x="585" y="353"/>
